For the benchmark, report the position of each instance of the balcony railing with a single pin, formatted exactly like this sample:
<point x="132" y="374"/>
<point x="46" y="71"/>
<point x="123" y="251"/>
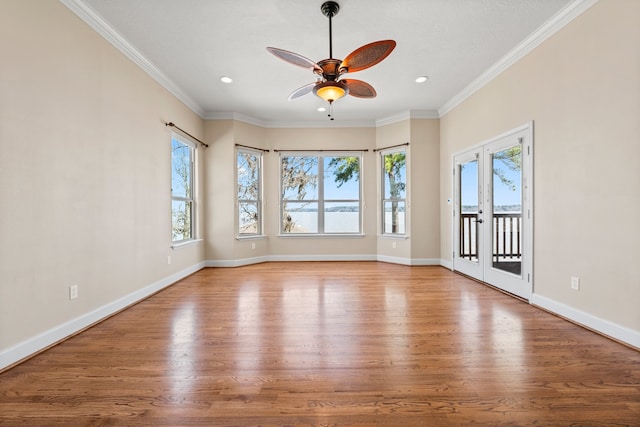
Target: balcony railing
<point x="469" y="236"/>
<point x="507" y="237"/>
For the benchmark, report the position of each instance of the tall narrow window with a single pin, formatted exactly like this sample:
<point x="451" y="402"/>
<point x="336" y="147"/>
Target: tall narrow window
<point x="320" y="193"/>
<point x="249" y="195"/>
<point x="394" y="185"/>
<point x="182" y="200"/>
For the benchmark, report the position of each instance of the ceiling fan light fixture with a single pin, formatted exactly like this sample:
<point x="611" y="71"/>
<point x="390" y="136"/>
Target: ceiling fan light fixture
<point x="328" y="71"/>
<point x="330" y="91"/>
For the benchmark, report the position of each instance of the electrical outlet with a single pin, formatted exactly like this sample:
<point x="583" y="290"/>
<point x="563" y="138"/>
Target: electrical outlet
<point x="393" y="245"/>
<point x="168" y="259"/>
<point x="73" y="291"/>
<point x="575" y="283"/>
<point x="253" y="245"/>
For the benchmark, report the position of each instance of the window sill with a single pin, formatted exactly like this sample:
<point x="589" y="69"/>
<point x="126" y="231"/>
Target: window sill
<point x="186" y="243"/>
<point x="323" y="236"/>
<point x="393" y="236"/>
<point x="252" y="237"/>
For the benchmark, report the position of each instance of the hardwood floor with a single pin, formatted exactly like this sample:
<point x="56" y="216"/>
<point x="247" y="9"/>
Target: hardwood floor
<point x="324" y="344"/>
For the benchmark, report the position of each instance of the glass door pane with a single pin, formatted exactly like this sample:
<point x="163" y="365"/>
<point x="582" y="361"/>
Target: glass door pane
<point x="506" y="228"/>
<point x="468" y="226"/>
<point x="469" y="210"/>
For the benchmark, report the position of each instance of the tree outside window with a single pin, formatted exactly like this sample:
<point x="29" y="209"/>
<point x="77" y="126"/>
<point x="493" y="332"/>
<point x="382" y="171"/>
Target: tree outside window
<point x="320" y="194"/>
<point x="182" y="160"/>
<point x="394" y="178"/>
<point x="249" y="182"/>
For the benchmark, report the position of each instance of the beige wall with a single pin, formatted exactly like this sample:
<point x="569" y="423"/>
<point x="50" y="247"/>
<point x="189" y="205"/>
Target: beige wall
<point x="390" y="135"/>
<point x="316" y="139"/>
<point x="221" y="242"/>
<point x="421" y="244"/>
<point x="84" y="172"/>
<point x="581" y="87"/>
<point x="425" y="189"/>
<point x="223" y="248"/>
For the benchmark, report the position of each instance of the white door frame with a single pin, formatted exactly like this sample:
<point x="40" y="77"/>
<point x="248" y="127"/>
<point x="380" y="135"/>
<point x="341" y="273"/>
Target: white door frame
<point x="522" y="285"/>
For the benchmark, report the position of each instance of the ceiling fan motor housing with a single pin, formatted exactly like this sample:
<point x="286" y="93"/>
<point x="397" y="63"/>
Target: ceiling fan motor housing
<point x="330" y="69"/>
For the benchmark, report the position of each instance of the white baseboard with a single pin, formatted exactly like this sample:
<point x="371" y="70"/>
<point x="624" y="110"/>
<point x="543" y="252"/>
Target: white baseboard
<point x="286" y="258"/>
<point x="277" y="258"/>
<point x="425" y="261"/>
<point x="605" y="327"/>
<point x="322" y="258"/>
<point x="237" y="262"/>
<point x="446" y="264"/>
<point x="33" y="345"/>
<point x="58" y="333"/>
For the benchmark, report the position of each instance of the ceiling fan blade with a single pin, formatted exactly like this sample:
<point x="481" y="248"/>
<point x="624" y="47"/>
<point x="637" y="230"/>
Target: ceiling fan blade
<point x="359" y="89"/>
<point x="295" y="59"/>
<point x="367" y="56"/>
<point x="301" y="91"/>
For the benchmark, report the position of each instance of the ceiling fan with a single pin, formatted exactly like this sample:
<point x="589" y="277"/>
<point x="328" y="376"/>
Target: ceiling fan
<point x="329" y="85"/>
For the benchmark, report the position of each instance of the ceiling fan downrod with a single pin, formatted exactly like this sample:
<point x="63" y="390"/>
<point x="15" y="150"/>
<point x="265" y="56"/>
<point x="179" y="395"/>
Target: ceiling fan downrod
<point x="330" y="9"/>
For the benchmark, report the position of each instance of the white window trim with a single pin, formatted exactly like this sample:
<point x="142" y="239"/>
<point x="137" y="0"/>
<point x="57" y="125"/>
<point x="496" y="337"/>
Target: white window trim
<point x="400" y="236"/>
<point x="322" y="154"/>
<point x="194" y="147"/>
<point x="260" y="202"/>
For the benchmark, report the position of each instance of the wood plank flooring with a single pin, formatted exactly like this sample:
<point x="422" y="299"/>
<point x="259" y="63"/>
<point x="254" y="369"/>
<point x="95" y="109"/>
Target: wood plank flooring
<point x="327" y="344"/>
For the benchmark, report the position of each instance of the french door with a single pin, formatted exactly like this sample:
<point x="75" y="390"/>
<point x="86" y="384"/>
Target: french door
<point x="493" y="212"/>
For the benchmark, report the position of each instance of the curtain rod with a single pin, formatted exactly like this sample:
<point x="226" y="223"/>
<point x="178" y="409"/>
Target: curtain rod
<point x="393" y="146"/>
<point x="253" y="148"/>
<point x="186" y="133"/>
<point x="322" y="151"/>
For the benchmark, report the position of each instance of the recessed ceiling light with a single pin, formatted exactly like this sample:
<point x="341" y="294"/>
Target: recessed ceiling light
<point x="321" y="109"/>
<point x="422" y="79"/>
<point x="226" y="79"/>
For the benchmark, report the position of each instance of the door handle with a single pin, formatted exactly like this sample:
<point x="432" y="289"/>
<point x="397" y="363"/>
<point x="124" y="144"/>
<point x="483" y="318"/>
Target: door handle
<point x="480" y="221"/>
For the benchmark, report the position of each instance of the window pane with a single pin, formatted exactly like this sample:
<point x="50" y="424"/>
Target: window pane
<point x="300" y="217"/>
<point x="394" y="175"/>
<point x="394" y="219"/>
<point x="299" y="178"/>
<point x="341" y="178"/>
<point x="342" y="217"/>
<point x="180" y="169"/>
<point x="507" y="210"/>
<point x="469" y="187"/>
<point x="248" y="176"/>
<point x="181" y="220"/>
<point x="507" y="180"/>
<point x="248" y="218"/>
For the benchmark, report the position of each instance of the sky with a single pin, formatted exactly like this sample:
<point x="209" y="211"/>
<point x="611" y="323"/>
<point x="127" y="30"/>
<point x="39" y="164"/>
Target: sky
<point x="503" y="195"/>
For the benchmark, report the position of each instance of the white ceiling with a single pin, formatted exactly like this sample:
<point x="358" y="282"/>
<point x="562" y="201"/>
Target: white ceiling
<point x="189" y="44"/>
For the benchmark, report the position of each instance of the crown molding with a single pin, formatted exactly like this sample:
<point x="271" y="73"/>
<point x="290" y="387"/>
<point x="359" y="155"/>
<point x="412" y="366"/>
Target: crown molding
<point x="557" y="22"/>
<point x="237" y="117"/>
<point x="95" y="21"/>
<point x="408" y="115"/>
<point x="291" y="123"/>
<point x="414" y="114"/>
<point x="322" y="124"/>
<point x="549" y="28"/>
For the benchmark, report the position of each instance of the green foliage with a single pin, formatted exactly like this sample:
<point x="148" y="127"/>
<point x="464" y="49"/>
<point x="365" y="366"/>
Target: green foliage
<point x="394" y="164"/>
<point x="344" y="169"/>
<point x="512" y="159"/>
